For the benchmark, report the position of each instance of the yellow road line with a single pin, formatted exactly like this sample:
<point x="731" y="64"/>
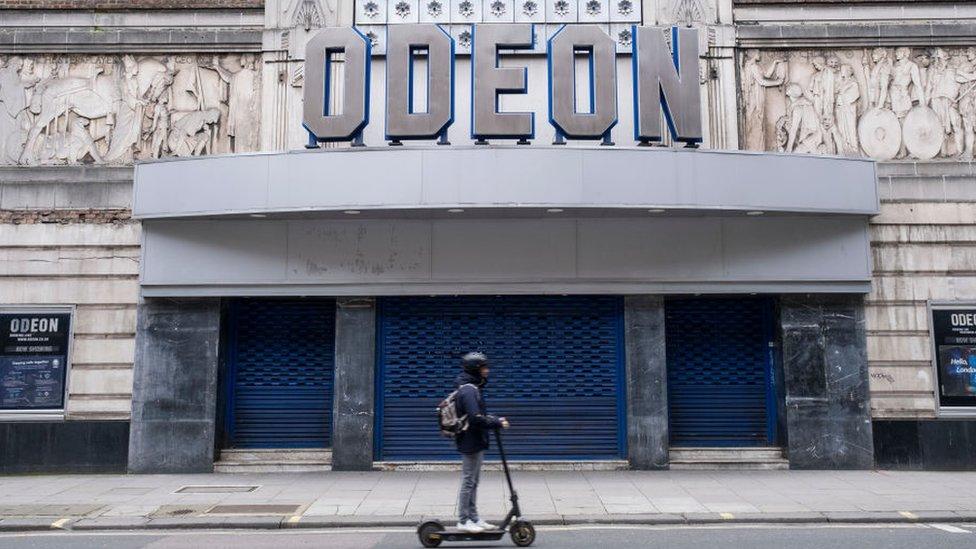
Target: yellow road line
<point x="59" y="523"/>
<point x="726" y="516"/>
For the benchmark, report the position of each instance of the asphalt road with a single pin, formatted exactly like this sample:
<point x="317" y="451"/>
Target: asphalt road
<point x="907" y="536"/>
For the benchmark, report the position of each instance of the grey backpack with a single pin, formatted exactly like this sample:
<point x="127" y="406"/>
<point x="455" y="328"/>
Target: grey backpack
<point x="450" y="422"/>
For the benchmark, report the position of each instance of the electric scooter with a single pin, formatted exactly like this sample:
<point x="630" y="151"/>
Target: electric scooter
<point x="432" y="533"/>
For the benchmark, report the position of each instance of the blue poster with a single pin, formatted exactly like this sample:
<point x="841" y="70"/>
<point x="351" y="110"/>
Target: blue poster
<point x="31" y="382"/>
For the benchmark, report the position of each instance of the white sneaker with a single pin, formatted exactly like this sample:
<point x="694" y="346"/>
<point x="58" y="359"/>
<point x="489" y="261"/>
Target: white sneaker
<point x="469" y="527"/>
<point x="485" y="525"/>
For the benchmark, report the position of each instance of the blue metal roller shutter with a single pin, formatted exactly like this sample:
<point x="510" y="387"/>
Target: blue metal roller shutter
<point x="281" y="365"/>
<point x="719" y="380"/>
<point x="557" y="369"/>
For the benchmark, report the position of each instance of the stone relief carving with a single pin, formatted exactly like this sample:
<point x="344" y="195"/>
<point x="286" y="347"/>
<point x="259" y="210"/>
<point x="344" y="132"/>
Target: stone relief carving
<point x="688" y="12"/>
<point x="884" y="103"/>
<point x="115" y="109"/>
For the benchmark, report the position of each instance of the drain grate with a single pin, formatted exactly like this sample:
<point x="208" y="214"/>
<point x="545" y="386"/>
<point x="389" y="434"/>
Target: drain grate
<point x="217" y="489"/>
<point x="254" y="509"/>
<point x="179" y="510"/>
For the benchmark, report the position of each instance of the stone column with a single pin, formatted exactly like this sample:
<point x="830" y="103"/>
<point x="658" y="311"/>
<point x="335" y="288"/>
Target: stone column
<point x="353" y="403"/>
<point x="174" y="390"/>
<point x="825" y="366"/>
<point x="647" y="382"/>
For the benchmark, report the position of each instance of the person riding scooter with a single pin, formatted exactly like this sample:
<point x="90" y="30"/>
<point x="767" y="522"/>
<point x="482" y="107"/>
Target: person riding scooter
<point x="473" y="441"/>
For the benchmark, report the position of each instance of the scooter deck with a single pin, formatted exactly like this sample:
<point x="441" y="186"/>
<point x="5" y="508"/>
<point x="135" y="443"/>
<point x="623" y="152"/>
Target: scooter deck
<point x="453" y="534"/>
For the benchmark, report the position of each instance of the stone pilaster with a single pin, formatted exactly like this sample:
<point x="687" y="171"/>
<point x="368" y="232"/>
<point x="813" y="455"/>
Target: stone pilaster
<point x="647" y="382"/>
<point x="826" y="378"/>
<point x="354" y="403"/>
<point x="174" y="393"/>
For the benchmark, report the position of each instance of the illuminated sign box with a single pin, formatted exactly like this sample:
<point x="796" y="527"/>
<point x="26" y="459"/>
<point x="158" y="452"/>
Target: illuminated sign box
<point x="953" y="332"/>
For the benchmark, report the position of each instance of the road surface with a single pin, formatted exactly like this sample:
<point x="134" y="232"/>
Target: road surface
<point x="874" y="536"/>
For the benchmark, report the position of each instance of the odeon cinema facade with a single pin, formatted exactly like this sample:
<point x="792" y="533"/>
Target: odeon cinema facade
<point x="774" y="268"/>
<point x="534" y="193"/>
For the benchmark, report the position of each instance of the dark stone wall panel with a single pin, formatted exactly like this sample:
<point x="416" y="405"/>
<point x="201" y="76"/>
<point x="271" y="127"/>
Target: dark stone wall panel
<point x="647" y="382"/>
<point x="174" y="386"/>
<point x="826" y="377"/>
<point x="925" y="444"/>
<point x="948" y="444"/>
<point x="63" y="447"/>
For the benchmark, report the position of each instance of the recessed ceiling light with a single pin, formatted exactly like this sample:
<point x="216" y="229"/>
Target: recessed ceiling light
<point x="656" y="211"/>
<point x="351" y="212"/>
<point x="456" y="210"/>
<point x="259" y="215"/>
<point x="555" y="210"/>
<point x="755" y="212"/>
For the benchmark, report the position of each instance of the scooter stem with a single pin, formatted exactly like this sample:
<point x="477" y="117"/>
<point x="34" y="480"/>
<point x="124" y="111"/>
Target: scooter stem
<point x="508" y="475"/>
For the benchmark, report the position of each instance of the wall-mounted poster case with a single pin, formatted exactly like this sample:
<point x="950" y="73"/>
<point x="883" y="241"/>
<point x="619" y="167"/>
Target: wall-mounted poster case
<point x="953" y="332"/>
<point x="35" y="353"/>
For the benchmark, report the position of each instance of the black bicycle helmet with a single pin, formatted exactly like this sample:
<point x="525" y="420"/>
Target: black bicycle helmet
<point x="472" y="362"/>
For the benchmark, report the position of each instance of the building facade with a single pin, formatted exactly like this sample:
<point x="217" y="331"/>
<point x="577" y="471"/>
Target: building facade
<point x="197" y="289"/>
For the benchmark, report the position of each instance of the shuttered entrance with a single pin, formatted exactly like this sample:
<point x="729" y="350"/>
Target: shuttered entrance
<point x="720" y="387"/>
<point x="281" y="357"/>
<point x="557" y="370"/>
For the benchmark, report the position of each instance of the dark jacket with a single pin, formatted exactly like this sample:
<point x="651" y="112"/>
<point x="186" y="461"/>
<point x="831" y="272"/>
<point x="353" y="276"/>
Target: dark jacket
<point x="471" y="402"/>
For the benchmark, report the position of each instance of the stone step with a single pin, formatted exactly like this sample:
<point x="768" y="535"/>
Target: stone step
<point x="730" y="466"/>
<point x="274" y="461"/>
<point x="724" y="453"/>
<point x="765" y="458"/>
<point x="272" y="467"/>
<point x="492" y="465"/>
<point x="274" y="454"/>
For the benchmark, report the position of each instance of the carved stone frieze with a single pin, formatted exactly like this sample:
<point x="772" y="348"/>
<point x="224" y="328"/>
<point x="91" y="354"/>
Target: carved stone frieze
<point x="69" y="109"/>
<point x="883" y="103"/>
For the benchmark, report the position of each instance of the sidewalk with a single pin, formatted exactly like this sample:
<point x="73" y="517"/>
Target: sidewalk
<point x="404" y="498"/>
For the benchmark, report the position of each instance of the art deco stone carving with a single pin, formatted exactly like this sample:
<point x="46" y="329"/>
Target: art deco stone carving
<point x="115" y="109"/>
<point x="687" y="11"/>
<point x="884" y="103"/>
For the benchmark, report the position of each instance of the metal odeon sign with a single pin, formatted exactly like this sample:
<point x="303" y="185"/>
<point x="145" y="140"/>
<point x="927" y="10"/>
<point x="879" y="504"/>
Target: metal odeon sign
<point x="664" y="65"/>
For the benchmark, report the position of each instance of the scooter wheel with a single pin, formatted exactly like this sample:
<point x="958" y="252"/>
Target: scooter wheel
<point x="429" y="533"/>
<point x="522" y="533"/>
